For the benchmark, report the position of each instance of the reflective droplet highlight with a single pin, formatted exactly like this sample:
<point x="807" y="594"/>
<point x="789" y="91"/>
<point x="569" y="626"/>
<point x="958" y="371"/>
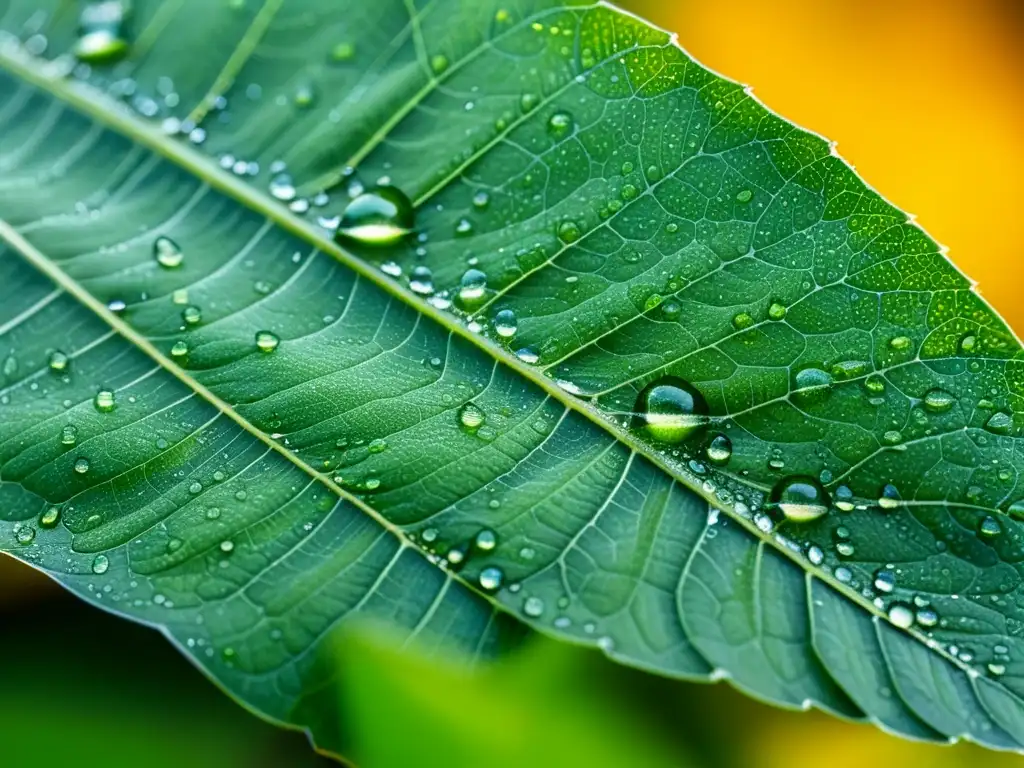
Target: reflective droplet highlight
<point x="471" y="417"/>
<point x="102" y="35"/>
<point x="381" y="216"/>
<point x="813" y="385"/>
<point x="100" y="565"/>
<point x="670" y="410"/>
<point x="506" y="324"/>
<point x="719" y="450"/>
<point x="167" y="253"/>
<point x="938" y="400"/>
<point x="800" y="499"/>
<point x="266" y="341"/>
<point x="491" y="578"/>
<point x="104" y="401"/>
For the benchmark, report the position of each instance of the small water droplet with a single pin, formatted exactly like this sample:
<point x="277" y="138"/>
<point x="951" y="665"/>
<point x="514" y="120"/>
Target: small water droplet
<point x="439" y="63"/>
<point x="885" y="580"/>
<point x="191" y="315"/>
<point x="776" y="311"/>
<point x="900" y="342"/>
<point x="266" y="341"/>
<point x="58" y="361"/>
<point x="179" y="350"/>
<point x="800" y="499"/>
<point x="421" y="280"/>
<point x="486" y="540"/>
<point x="890" y="497"/>
<point x="481" y="199"/>
<point x="81" y="465"/>
<point x="50" y="517"/>
<point x="968" y="343"/>
<point x="926" y="617"/>
<point x="533" y="607"/>
<point x="744" y="196"/>
<point x="26" y="534"/>
<point x="719" y="450"/>
<point x="569" y="232"/>
<point x="528" y="356"/>
<point x="560" y="124"/>
<point x="670" y="410"/>
<point x="742" y="320"/>
<point x="227" y="546"/>
<point x="381" y="216"/>
<point x="167" y="253"/>
<point x="989" y="527"/>
<point x="69" y="435"/>
<point x="100" y="565"/>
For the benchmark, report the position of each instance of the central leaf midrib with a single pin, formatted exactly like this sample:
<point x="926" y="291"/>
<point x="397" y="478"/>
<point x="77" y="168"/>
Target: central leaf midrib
<point x="115" y="117"/>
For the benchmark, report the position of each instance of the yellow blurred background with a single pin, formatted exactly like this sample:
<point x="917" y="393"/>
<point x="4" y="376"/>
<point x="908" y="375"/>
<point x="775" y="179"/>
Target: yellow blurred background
<point x="926" y="99"/>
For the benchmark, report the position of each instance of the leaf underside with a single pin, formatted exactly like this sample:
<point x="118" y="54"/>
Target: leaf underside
<point x="248" y="502"/>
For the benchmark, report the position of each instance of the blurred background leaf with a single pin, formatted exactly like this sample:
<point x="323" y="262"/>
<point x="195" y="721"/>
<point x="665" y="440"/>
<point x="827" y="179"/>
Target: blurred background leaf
<point x="926" y="99"/>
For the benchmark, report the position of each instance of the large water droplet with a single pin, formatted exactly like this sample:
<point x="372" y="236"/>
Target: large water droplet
<point x="167" y="253"/>
<point x="506" y="324"/>
<point x="104" y="401"/>
<point x="102" y="31"/>
<point x="472" y="286"/>
<point x="800" y="499"/>
<point x="999" y="423"/>
<point x="901" y="615"/>
<point x="382" y="216"/>
<point x="670" y="410"/>
<point x="100" y="565"/>
<point x="491" y="578"/>
<point x="266" y="341"/>
<point x="813" y="385"/>
<point x="471" y="417"/>
<point x="486" y="540"/>
<point x="26" y="534"/>
<point x="938" y="400"/>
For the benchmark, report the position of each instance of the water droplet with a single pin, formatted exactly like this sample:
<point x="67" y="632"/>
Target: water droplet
<point x="815" y="555"/>
<point x="491" y="578"/>
<point x="968" y="343"/>
<point x="999" y="423"/>
<point x="104" y="401"/>
<point x="533" y="607"/>
<point x="382" y="216"/>
<point x="100" y="565"/>
<point x="50" y="517"/>
<point x="744" y="196"/>
<point x="81" y="465"/>
<point x="101" y="31"/>
<point x="776" y="311"/>
<point x="472" y="286"/>
<point x="439" y="63"/>
<point x="989" y="527"/>
<point x="800" y="499"/>
<point x="58" y="361"/>
<point x="719" y="450"/>
<point x="227" y="546"/>
<point x="885" y="580"/>
<point x="901" y="615"/>
<point x="670" y="410"/>
<point x="167" y="253"/>
<point x="304" y="96"/>
<point x="481" y="199"/>
<point x="529" y="101"/>
<point x="560" y="124"/>
<point x="191" y="315"/>
<point x="471" y="417"/>
<point x="486" y="540"/>
<point x="742" y="320"/>
<point x="890" y="497"/>
<point x="421" y="280"/>
<point x="266" y="341"/>
<point x="179" y="350"/>
<point x="938" y="400"/>
<point x="505" y="323"/>
<point x="926" y="617"/>
<point x="282" y="188"/>
<point x="569" y="232"/>
<point x="343" y="51"/>
<point x="528" y="356"/>
<point x="69" y="435"/>
<point x="813" y="385"/>
<point x="900" y="342"/>
<point x="25" y="534"/>
<point x="372" y="484"/>
<point x="996" y="669"/>
<point x="874" y="384"/>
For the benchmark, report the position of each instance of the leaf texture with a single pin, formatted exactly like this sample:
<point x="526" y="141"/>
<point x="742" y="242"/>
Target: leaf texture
<point x="263" y="434"/>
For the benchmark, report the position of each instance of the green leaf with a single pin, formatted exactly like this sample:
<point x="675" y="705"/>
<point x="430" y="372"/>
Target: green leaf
<point x="252" y="434"/>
